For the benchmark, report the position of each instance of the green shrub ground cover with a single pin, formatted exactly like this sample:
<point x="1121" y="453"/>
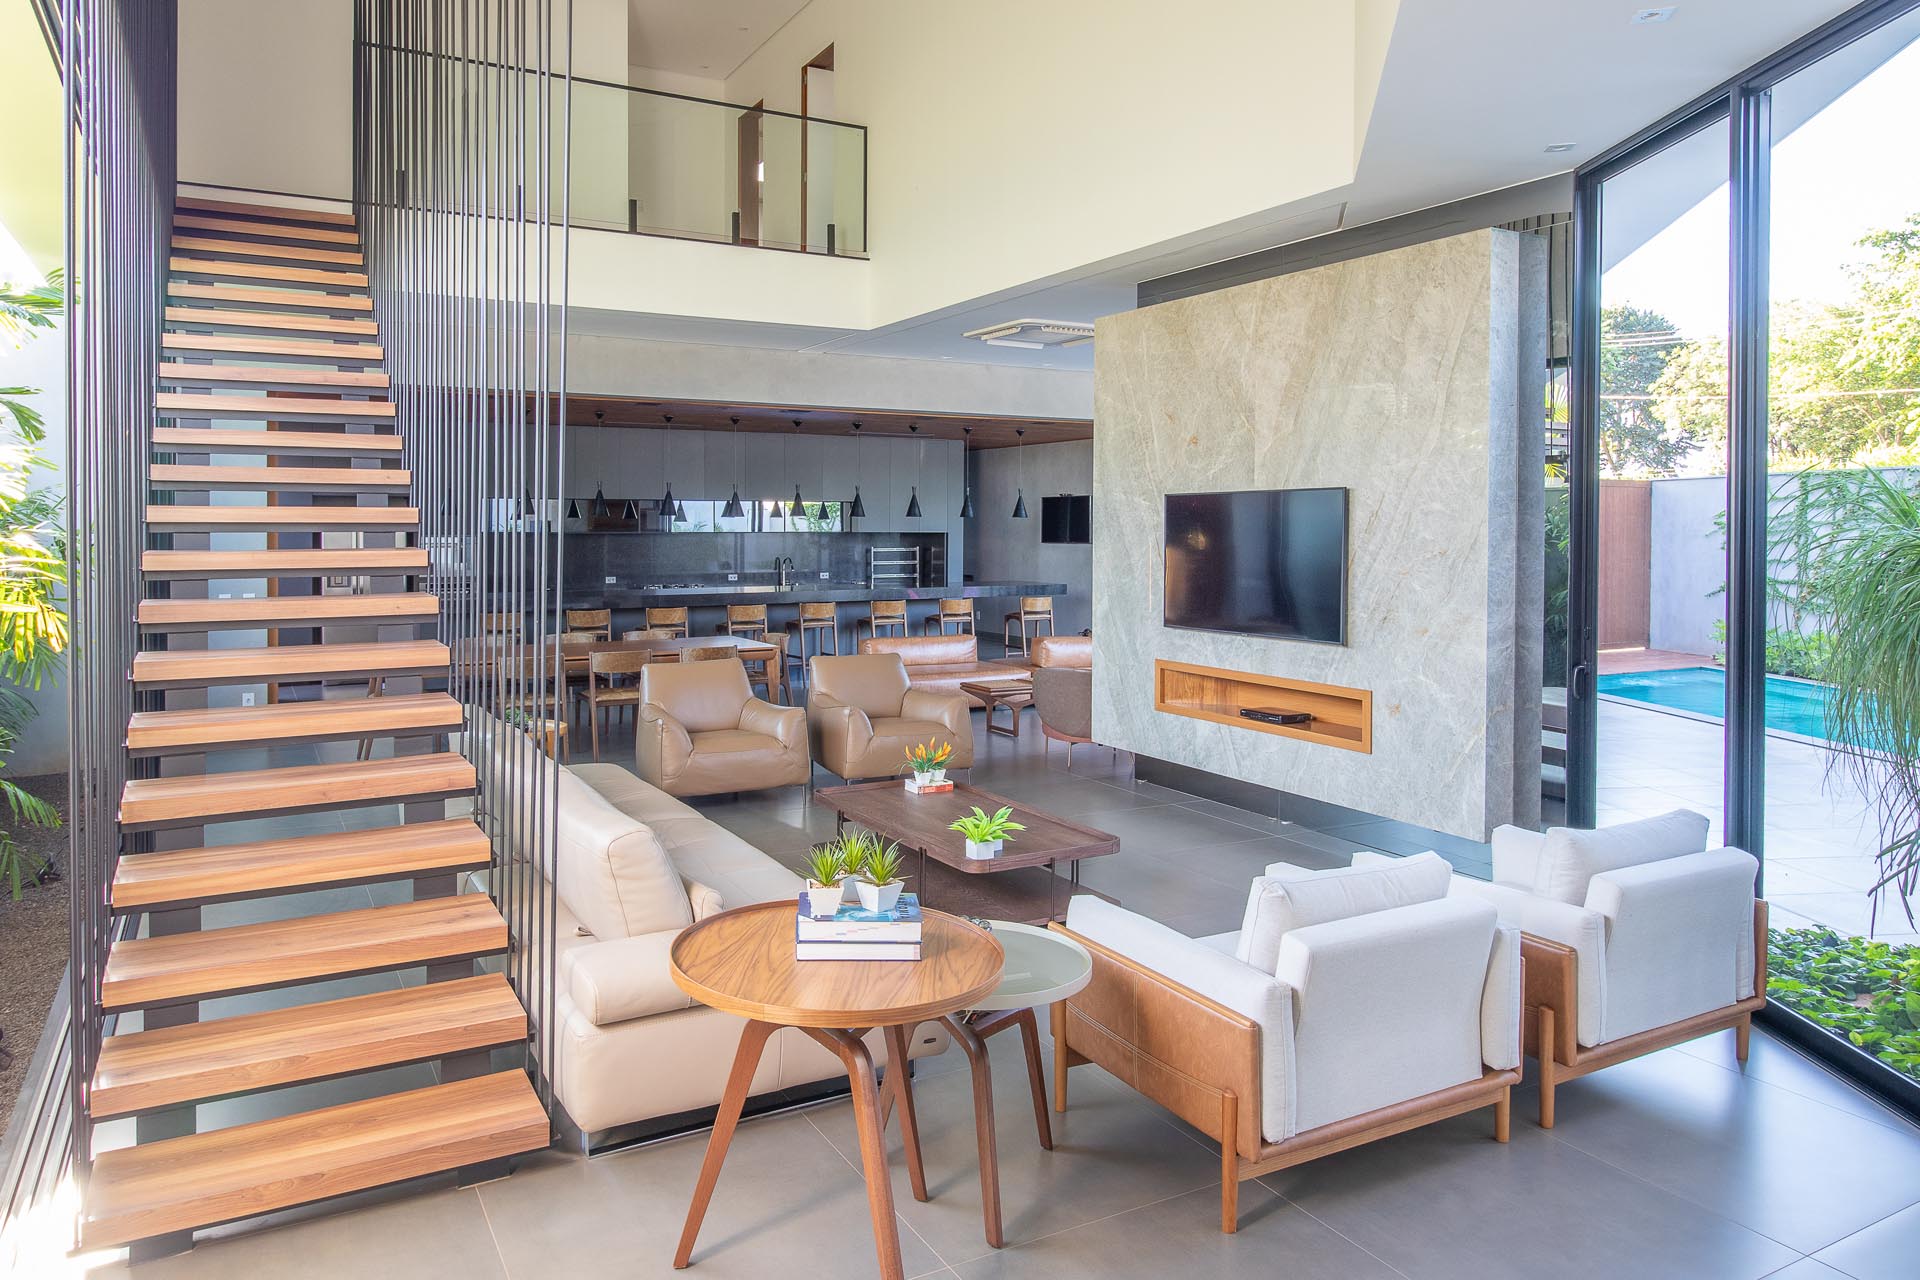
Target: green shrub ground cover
<point x="1864" y="990"/>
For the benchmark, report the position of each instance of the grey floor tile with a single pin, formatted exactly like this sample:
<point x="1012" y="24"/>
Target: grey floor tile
<point x="1808" y="1269"/>
<point x="1167" y="829"/>
<point x="1781" y="1065"/>
<point x="1887" y="1250"/>
<point x="1425" y="1203"/>
<point x="1112" y="1152"/>
<point x="1181" y="1237"/>
<point x="786" y="1204"/>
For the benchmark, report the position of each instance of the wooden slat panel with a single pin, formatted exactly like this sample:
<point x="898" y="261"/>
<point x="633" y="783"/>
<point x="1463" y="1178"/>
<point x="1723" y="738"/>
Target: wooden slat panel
<point x="250" y="1169"/>
<point x="152" y="804"/>
<point x="270" y="320"/>
<point x="275" y="230"/>
<point x="286" y="611"/>
<point x="180" y="877"/>
<point x="289" y="443"/>
<point x="192" y="668"/>
<point x="199" y="729"/>
<point x="270" y="348"/>
<point x="168" y="565"/>
<point x="166" y="519"/>
<point x="243" y="405"/>
<point x="214" y="268"/>
<point x="262" y="249"/>
<point x="291" y="298"/>
<point x="142" y="972"/>
<point x="320" y="380"/>
<point x="201" y="1061"/>
<point x="282" y="213"/>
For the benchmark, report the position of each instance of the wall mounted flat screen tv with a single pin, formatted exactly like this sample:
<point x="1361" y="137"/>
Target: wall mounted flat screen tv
<point x="1266" y="563"/>
<point x="1066" y="517"/>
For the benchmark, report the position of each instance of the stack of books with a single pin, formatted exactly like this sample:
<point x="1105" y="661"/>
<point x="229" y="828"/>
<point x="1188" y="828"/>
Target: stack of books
<point x="854" y="933"/>
<point x="914" y="787"/>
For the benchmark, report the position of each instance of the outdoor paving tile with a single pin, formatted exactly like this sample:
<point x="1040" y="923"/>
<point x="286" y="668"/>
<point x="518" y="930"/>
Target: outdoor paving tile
<point x="1112" y="1152"/>
<point x="1887" y="1250"/>
<point x="1845" y="910"/>
<point x="1794" y="1169"/>
<point x="1447" y="1201"/>
<point x="1181" y="1237"/>
<point x="787" y="1204"/>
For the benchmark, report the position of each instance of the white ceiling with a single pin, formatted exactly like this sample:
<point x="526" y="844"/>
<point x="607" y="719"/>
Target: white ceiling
<point x="707" y="38"/>
<point x="1464" y="107"/>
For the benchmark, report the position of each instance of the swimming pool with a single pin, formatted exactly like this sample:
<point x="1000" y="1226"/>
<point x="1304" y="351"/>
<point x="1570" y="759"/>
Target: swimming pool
<point x="1793" y="706"/>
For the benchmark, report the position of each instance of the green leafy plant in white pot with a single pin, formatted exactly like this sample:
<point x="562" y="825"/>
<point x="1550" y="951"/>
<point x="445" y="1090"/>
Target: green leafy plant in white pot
<point x="879" y="884"/>
<point x="826" y="874"/>
<point x="986" y="833"/>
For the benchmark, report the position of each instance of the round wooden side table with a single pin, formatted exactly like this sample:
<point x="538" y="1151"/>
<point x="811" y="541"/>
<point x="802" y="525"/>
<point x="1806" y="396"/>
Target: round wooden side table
<point x="741" y="962"/>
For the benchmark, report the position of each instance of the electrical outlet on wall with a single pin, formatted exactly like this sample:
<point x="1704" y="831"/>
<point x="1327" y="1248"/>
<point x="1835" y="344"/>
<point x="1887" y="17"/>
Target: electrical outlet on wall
<point x="246" y="699"/>
<point x="823" y="573"/>
<point x="611" y="581"/>
<point x="733" y="577"/>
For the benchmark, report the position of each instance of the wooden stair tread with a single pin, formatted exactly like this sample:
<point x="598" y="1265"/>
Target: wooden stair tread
<point x="201" y="1061"/>
<point x="248" y="405"/>
<point x="267" y="347"/>
<point x="295" y="298"/>
<point x="143" y="972"/>
<point x="220" y="873"/>
<point x="271" y="320"/>
<point x="263" y="249"/>
<point x="275" y="230"/>
<point x="151" y="804"/>
<point x="191" y="668"/>
<point x="284" y="213"/>
<point x="326" y="381"/>
<point x="287" y="611"/>
<point x="289" y="443"/>
<point x="196" y="479"/>
<point x="376" y="561"/>
<point x="162" y="519"/>
<point x="207" y="1178"/>
<point x="200" y="729"/>
<point x="224" y="269"/>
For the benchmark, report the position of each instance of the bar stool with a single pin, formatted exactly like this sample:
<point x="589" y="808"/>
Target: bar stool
<point x="883" y="613"/>
<point x="598" y="621"/>
<point x="749" y="620"/>
<point x="1034" y="609"/>
<point x="500" y="624"/>
<point x="770" y="673"/>
<point x="674" y="620"/>
<point x="957" y="613"/>
<point x="821" y="620"/>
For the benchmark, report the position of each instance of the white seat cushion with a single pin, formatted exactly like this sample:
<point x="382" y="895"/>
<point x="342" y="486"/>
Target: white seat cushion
<point x="1570" y="859"/>
<point x="1276" y="907"/>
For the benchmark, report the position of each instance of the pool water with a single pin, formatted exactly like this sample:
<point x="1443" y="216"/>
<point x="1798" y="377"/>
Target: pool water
<point x="1793" y="706"/>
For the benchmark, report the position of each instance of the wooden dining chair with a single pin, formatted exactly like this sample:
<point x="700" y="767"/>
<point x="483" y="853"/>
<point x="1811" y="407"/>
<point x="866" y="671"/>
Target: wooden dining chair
<point x="500" y="624"/>
<point x="769" y="671"/>
<point x="669" y="620"/>
<point x="599" y="622"/>
<point x="606" y="690"/>
<point x="882" y="613"/>
<point x="1033" y="610"/>
<point x="952" y="613"/>
<point x="709" y="653"/>
<point x="748" y="620"/>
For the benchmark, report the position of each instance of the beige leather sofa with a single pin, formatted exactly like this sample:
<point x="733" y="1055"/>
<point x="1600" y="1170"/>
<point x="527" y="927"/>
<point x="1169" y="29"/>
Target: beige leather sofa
<point x="863" y="715"/>
<point x="633" y="866"/>
<point x="941" y="664"/>
<point x="702" y="732"/>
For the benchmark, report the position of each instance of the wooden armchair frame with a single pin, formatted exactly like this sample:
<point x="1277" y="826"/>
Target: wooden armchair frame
<point x="1552" y="1015"/>
<point x="1201" y="1061"/>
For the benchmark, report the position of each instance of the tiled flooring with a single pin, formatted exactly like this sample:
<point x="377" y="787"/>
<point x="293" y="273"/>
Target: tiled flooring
<point x="1682" y="1164"/>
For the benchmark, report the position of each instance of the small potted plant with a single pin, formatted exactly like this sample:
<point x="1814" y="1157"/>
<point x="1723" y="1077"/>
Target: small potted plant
<point x="826" y="870"/>
<point x="928" y="762"/>
<point x="985" y="832"/>
<point x="879" y="884"/>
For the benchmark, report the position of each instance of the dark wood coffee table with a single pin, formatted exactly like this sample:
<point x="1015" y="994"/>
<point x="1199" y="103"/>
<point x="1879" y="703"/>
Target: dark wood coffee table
<point x="1021" y="884"/>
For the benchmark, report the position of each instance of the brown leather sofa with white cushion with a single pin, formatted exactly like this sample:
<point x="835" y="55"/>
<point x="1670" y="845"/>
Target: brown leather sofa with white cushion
<point x="702" y="732"/>
<point x="863" y="714"/>
<point x="941" y="664"/>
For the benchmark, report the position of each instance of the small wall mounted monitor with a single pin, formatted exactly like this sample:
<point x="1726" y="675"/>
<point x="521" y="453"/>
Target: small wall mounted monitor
<point x="1267" y="562"/>
<point x="1066" y="518"/>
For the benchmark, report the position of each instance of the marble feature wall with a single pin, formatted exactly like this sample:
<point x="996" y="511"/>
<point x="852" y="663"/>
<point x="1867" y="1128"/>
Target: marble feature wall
<point x="1401" y="377"/>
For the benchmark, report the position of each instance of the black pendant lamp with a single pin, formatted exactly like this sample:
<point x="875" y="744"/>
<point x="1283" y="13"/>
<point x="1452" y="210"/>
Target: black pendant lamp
<point x="966" y="501"/>
<point x="913" y="501"/>
<point x="733" y="510"/>
<point x="1020" y="500"/>
<point x="573" y="508"/>
<point x="629" y="511"/>
<point x="599" y="507"/>
<point x="799" y="508"/>
<point x="858" y="509"/>
<point x="666" y="499"/>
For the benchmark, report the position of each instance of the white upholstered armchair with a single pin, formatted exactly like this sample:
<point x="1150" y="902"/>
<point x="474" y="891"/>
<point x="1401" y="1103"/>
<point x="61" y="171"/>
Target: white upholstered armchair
<point x="1636" y="937"/>
<point x="1353" y="1004"/>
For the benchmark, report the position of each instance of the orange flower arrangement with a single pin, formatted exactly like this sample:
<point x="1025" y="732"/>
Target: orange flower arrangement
<point x="925" y="757"/>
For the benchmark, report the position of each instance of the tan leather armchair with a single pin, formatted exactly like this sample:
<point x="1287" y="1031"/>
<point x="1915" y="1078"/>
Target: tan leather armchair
<point x="863" y="714"/>
<point x="702" y="732"/>
<point x="1063" y="689"/>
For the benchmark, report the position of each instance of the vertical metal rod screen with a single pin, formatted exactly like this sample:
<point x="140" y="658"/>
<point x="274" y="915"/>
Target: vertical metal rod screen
<point x="461" y="124"/>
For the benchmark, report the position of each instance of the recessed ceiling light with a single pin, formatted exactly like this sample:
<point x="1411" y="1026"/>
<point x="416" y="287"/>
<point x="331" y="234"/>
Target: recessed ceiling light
<point x="1643" y="16"/>
<point x="1559" y="146"/>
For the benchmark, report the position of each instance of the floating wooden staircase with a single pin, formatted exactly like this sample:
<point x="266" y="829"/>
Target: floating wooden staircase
<point x="269" y="324"/>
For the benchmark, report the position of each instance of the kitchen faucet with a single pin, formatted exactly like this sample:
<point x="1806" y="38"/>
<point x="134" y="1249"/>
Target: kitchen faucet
<point x="785" y="565"/>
